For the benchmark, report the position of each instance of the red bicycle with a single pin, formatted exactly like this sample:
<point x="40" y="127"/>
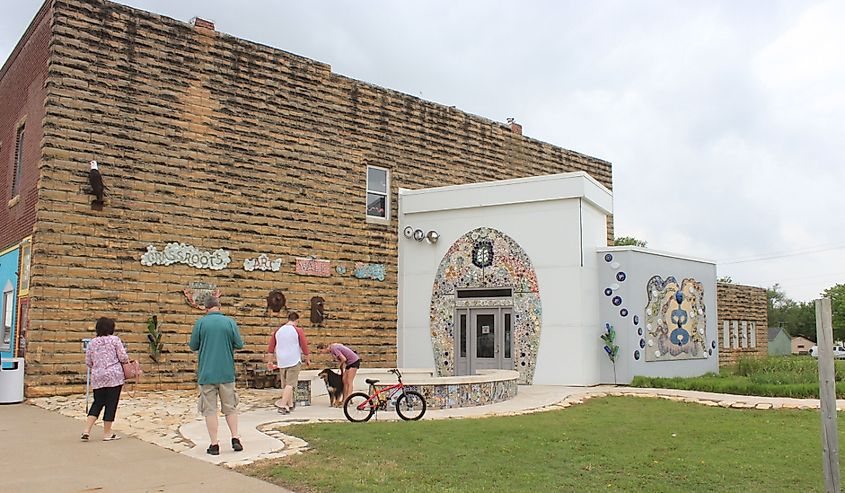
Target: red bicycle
<point x="409" y="404"/>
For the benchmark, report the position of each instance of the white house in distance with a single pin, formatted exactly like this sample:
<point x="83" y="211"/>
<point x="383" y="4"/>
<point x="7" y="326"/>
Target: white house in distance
<point x="513" y="275"/>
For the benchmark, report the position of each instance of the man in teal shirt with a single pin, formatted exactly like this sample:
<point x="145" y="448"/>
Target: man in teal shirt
<point x="216" y="337"/>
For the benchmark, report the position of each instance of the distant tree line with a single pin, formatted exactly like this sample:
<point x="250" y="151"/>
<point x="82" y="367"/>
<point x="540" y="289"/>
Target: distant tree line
<point x="798" y="318"/>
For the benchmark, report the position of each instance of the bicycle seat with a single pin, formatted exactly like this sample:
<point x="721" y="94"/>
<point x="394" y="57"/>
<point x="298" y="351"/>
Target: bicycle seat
<point x="371" y="381"/>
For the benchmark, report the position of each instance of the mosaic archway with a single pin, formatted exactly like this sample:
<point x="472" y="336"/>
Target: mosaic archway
<point x="486" y="258"/>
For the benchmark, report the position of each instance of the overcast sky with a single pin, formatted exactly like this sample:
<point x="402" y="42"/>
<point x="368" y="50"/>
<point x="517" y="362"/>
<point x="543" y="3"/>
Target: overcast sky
<point x="724" y="120"/>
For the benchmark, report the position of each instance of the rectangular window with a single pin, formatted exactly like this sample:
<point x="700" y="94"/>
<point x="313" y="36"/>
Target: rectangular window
<point x="6" y="327"/>
<point x="16" y="179"/>
<point x="508" y="342"/>
<point x="752" y="328"/>
<point x="378" y="193"/>
<point x="726" y="335"/>
<point x="744" y="333"/>
<point x="463" y="336"/>
<point x="735" y="334"/>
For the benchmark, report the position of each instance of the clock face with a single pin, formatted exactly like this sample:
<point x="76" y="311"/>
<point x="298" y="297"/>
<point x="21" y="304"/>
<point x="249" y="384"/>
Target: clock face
<point x="482" y="254"/>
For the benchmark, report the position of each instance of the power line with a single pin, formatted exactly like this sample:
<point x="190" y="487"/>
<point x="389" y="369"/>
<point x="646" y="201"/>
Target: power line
<point x="776" y="255"/>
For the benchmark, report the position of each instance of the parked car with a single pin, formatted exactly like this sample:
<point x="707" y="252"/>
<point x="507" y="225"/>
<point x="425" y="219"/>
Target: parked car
<point x="838" y="352"/>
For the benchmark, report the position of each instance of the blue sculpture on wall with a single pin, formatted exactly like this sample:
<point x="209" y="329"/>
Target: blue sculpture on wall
<point x="676" y="320"/>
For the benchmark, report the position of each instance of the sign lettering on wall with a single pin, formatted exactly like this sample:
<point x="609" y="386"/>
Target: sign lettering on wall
<point x="263" y="262"/>
<point x="180" y="253"/>
<point x="369" y="271"/>
<point x="313" y="267"/>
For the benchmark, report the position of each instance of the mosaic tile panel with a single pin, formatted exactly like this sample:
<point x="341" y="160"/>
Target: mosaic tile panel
<point x="450" y="396"/>
<point x="510" y="267"/>
<point x="676" y="320"/>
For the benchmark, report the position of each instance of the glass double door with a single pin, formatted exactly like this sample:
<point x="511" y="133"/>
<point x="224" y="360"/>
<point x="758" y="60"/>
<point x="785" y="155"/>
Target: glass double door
<point x="483" y="340"/>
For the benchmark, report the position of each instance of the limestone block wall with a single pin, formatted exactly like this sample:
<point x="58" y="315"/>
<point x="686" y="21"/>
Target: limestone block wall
<point x="217" y="142"/>
<point x="742" y="311"/>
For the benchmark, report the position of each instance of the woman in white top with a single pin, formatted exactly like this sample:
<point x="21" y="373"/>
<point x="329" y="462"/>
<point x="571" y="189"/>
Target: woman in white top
<point x="288" y="344"/>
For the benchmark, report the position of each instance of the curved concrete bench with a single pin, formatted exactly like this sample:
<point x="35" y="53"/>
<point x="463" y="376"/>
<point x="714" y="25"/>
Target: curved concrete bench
<point x="487" y="387"/>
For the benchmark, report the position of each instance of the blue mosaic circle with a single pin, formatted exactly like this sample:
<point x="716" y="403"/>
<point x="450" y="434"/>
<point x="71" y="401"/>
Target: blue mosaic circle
<point x="639" y="331"/>
<point x="623" y="312"/>
<point x="636" y="319"/>
<point x="617" y="300"/>
<point x="642" y="343"/>
<point x="710" y="351"/>
<point x="608" y="257"/>
<point x="713" y="345"/>
<point x="637" y="354"/>
<point x="620" y="276"/>
<point x="608" y="291"/>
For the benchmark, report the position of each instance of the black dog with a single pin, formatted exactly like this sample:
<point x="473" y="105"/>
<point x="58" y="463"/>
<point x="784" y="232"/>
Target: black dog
<point x="334" y="384"/>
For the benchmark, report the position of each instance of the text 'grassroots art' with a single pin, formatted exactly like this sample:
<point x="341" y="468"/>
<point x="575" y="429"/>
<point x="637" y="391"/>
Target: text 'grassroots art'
<point x="180" y="253"/>
<point x="676" y="320"/>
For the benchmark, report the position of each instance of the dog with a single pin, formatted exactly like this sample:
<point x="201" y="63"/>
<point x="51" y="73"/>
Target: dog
<point x="334" y="384"/>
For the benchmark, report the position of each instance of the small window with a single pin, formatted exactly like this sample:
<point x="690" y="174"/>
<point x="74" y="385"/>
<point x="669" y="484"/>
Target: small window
<point x="753" y="330"/>
<point x="463" y="334"/>
<point x="378" y="192"/>
<point x="18" y="167"/>
<point x="8" y="311"/>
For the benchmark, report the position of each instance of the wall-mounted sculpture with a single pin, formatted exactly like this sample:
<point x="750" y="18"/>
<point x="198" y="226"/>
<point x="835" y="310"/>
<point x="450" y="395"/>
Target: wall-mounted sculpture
<point x="369" y="271"/>
<point x="263" y="262"/>
<point x="318" y="313"/>
<point x="180" y="253"/>
<point x="197" y="292"/>
<point x="676" y="320"/>
<point x="503" y="264"/>
<point x="313" y="267"/>
<point x="276" y="301"/>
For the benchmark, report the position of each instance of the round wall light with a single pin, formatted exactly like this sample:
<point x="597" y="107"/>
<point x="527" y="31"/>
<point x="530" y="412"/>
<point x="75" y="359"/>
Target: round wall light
<point x="433" y="236"/>
<point x="419" y="235"/>
<point x="408" y="232"/>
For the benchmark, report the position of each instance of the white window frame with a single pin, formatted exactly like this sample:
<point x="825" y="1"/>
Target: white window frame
<point x="752" y="327"/>
<point x="17" y="167"/>
<point x="386" y="194"/>
<point x="8" y="314"/>
<point x="726" y="335"/>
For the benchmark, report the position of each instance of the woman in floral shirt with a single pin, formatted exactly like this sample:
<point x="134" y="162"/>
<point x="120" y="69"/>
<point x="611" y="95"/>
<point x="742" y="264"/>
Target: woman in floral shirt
<point x="104" y="356"/>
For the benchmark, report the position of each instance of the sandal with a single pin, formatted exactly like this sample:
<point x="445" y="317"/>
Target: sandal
<point x="84" y="437"/>
<point x="112" y="437"/>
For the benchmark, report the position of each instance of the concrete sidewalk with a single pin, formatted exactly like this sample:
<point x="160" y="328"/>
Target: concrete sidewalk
<point x="42" y="452"/>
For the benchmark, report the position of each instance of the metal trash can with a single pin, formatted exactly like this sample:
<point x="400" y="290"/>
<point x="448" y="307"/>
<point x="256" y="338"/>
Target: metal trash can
<point x="11" y="380"/>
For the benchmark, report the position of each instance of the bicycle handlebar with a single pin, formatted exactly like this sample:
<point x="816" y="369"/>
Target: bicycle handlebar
<point x="395" y="371"/>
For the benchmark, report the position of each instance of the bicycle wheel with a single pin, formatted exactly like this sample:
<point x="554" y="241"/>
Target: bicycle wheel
<point x="410" y="406"/>
<point x="357" y="409"/>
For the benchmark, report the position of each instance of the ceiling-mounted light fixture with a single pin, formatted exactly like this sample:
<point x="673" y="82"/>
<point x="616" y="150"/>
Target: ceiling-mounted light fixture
<point x="419" y="235"/>
<point x="432" y="236"/>
<point x="408" y="232"/>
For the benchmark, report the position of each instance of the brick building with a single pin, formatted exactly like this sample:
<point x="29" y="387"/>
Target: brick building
<point x="231" y="149"/>
<point x="743" y="322"/>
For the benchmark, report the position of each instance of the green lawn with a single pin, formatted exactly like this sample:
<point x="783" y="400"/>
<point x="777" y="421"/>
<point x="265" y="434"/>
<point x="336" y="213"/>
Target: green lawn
<point x="615" y="443"/>
<point x="783" y="376"/>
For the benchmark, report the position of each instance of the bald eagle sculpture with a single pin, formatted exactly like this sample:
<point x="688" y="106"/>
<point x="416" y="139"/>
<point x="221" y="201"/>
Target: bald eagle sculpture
<point x="95" y="179"/>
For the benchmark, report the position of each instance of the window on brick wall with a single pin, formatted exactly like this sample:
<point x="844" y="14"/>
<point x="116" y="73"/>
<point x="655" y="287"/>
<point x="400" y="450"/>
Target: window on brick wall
<point x="18" y="167"/>
<point x="8" y="312"/>
<point x="726" y="335"/>
<point x="735" y="334"/>
<point x="752" y="328"/>
<point x="378" y="193"/>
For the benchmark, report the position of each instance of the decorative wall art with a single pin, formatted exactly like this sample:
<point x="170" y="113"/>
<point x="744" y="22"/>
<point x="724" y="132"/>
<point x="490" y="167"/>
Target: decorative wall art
<point x="180" y="253"/>
<point x="318" y="313"/>
<point x="675" y="320"/>
<point x="505" y="264"/>
<point x="263" y="262"/>
<point x="340" y="269"/>
<point x="313" y="267"/>
<point x="276" y="301"/>
<point x="197" y="292"/>
<point x="369" y="271"/>
<point x="620" y="277"/>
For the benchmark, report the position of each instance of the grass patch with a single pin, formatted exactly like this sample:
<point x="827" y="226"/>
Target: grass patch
<point x="615" y="443"/>
<point x="790" y="376"/>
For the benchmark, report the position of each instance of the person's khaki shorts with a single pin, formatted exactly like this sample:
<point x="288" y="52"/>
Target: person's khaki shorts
<point x="207" y="404"/>
<point x="290" y="375"/>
